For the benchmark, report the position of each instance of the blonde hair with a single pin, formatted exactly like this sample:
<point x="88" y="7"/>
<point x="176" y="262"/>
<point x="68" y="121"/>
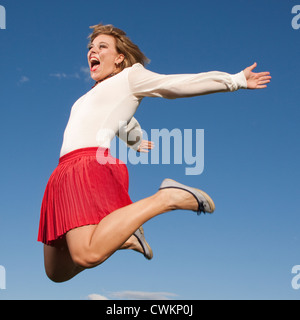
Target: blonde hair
<point x="124" y="45"/>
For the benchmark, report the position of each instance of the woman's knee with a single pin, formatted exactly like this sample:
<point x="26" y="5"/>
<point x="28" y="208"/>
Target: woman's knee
<point x="81" y="251"/>
<point x="87" y="259"/>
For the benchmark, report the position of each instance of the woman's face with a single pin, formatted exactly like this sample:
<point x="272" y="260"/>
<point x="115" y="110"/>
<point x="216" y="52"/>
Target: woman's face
<point x="103" y="57"/>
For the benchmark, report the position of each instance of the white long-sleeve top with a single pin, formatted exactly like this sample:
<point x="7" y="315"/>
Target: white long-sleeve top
<point x="108" y="109"/>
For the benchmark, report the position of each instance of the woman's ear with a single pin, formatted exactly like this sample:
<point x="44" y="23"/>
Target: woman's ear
<point x="119" y="59"/>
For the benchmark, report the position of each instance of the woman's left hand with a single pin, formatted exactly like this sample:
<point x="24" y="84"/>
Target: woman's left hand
<point x="145" y="146"/>
<point x="256" y="80"/>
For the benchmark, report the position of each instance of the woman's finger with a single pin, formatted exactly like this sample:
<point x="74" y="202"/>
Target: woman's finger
<point x="263" y="81"/>
<point x="253" y="66"/>
<point x="263" y="74"/>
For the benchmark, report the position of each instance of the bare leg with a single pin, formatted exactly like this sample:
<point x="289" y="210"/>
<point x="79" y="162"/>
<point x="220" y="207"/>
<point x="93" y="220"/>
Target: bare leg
<point x="88" y="246"/>
<point x="59" y="265"/>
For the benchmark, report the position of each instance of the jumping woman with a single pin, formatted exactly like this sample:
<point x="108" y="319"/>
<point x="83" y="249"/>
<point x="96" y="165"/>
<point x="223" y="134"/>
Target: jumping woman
<point x="86" y="213"/>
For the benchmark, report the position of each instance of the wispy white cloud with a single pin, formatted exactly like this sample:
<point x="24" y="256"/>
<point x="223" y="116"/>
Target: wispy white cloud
<point x="83" y="73"/>
<point x="140" y="295"/>
<point x="134" y="295"/>
<point x="58" y="75"/>
<point x="86" y="73"/>
<point x="23" y="79"/>
<point x="62" y="75"/>
<point x="95" y="296"/>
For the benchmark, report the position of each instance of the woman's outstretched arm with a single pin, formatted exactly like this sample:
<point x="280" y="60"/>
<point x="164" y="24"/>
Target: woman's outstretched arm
<point x="145" y="83"/>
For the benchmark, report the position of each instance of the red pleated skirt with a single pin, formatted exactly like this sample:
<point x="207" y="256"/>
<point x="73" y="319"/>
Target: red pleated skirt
<point x="86" y="186"/>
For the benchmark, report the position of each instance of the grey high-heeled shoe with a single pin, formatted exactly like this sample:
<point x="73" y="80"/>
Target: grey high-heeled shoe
<point x="205" y="202"/>
<point x="139" y="234"/>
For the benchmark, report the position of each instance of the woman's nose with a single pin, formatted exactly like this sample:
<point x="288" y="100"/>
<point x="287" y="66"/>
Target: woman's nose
<point x="93" y="50"/>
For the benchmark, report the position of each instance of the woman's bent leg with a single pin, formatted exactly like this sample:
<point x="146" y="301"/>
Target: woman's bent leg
<point x="59" y="265"/>
<point x="89" y="246"/>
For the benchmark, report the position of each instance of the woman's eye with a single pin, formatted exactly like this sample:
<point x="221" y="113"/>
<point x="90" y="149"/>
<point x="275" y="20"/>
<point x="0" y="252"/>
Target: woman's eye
<point x="101" y="46"/>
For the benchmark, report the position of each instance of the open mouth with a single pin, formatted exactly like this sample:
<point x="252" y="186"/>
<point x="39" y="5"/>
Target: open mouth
<point x="95" y="63"/>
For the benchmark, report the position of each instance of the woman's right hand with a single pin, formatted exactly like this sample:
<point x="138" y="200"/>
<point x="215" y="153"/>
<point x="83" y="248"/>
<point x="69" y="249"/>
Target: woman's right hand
<point x="145" y="146"/>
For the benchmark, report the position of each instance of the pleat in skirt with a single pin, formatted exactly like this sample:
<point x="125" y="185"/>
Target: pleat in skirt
<point x="87" y="185"/>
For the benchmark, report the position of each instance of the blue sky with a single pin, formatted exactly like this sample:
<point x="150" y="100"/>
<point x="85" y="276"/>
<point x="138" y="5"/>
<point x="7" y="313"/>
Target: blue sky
<point x="247" y="249"/>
